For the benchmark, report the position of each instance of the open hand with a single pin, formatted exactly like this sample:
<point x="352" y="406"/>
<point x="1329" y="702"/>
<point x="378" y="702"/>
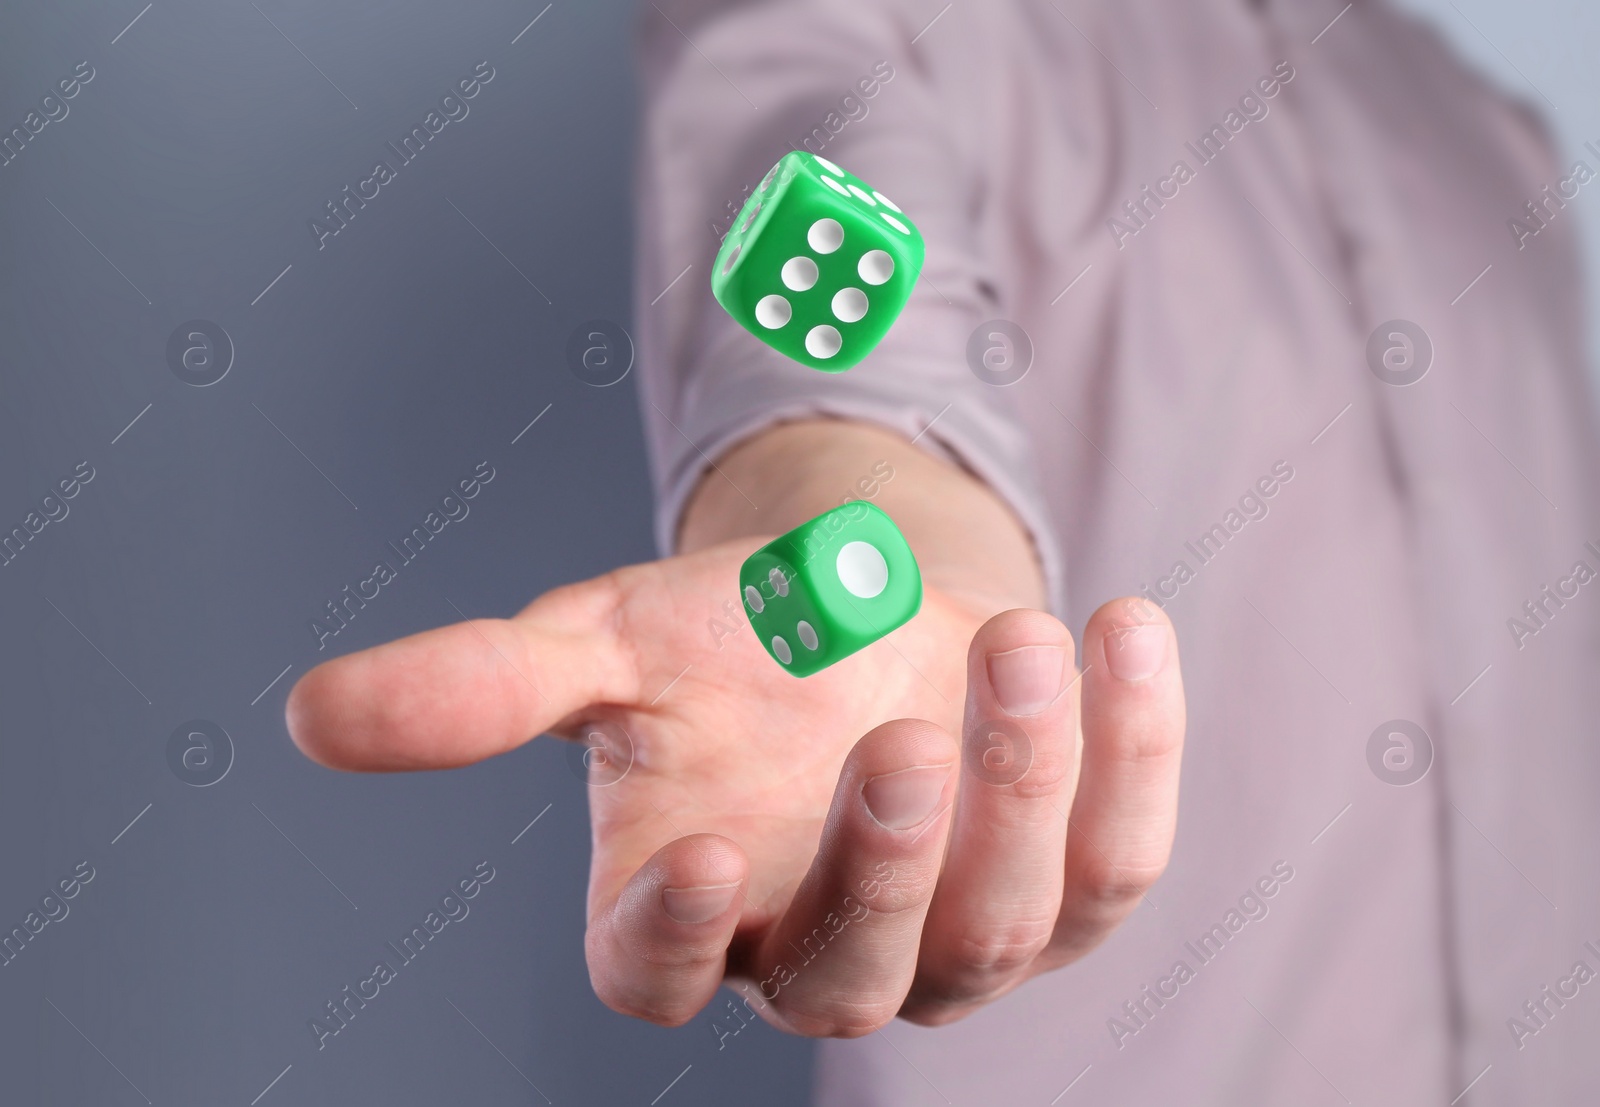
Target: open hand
<point x="826" y="845"/>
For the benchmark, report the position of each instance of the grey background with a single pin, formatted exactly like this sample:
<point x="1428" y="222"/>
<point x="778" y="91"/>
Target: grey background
<point x="391" y="361"/>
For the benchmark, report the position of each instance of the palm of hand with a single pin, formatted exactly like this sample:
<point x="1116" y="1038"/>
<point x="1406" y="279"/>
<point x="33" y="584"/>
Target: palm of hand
<point x="734" y="745"/>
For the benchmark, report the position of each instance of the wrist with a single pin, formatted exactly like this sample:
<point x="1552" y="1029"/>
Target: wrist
<point x="969" y="545"/>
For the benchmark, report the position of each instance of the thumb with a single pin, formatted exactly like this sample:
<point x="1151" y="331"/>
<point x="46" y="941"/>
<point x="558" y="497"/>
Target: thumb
<point x="461" y="693"/>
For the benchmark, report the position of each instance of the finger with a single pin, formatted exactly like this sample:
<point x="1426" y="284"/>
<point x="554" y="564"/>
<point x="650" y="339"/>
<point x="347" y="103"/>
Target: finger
<point x="658" y="951"/>
<point x="1126" y="806"/>
<point x="998" y="896"/>
<point x="458" y="694"/>
<point x="840" y="961"/>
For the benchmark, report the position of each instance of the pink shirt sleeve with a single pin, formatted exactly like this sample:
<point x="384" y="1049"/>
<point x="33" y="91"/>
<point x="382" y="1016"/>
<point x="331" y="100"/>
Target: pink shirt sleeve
<point x="849" y="84"/>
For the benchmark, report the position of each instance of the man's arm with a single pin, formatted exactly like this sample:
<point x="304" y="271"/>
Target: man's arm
<point x="968" y="543"/>
<point x="742" y="807"/>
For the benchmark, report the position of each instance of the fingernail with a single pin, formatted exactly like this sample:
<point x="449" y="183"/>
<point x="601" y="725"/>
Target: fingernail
<point x="1027" y="680"/>
<point x="698" y="905"/>
<point x="1136" y="652"/>
<point x="902" y="800"/>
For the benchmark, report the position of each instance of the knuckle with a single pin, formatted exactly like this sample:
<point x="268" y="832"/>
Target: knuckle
<point x="844" y="1019"/>
<point x="910" y="890"/>
<point x="981" y="953"/>
<point x="978" y="965"/>
<point x="1116" y="884"/>
<point x="1148" y="747"/>
<point x="1138" y="734"/>
<point x="1044" y="778"/>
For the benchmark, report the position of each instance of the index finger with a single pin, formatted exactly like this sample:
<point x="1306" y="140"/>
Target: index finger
<point x="458" y="694"/>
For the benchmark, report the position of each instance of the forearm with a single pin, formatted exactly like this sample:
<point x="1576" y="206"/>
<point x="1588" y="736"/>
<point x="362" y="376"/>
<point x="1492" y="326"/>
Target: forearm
<point x="968" y="542"/>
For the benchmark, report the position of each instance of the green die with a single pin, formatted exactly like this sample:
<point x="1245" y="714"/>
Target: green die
<point x="817" y="265"/>
<point x="830" y="587"/>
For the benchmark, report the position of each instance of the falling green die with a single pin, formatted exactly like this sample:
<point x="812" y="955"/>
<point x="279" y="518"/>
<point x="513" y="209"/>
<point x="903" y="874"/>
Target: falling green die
<point x="830" y="587"/>
<point x="818" y="264"/>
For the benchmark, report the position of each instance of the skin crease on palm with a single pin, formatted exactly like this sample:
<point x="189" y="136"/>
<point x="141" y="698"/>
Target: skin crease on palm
<point x="742" y="822"/>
